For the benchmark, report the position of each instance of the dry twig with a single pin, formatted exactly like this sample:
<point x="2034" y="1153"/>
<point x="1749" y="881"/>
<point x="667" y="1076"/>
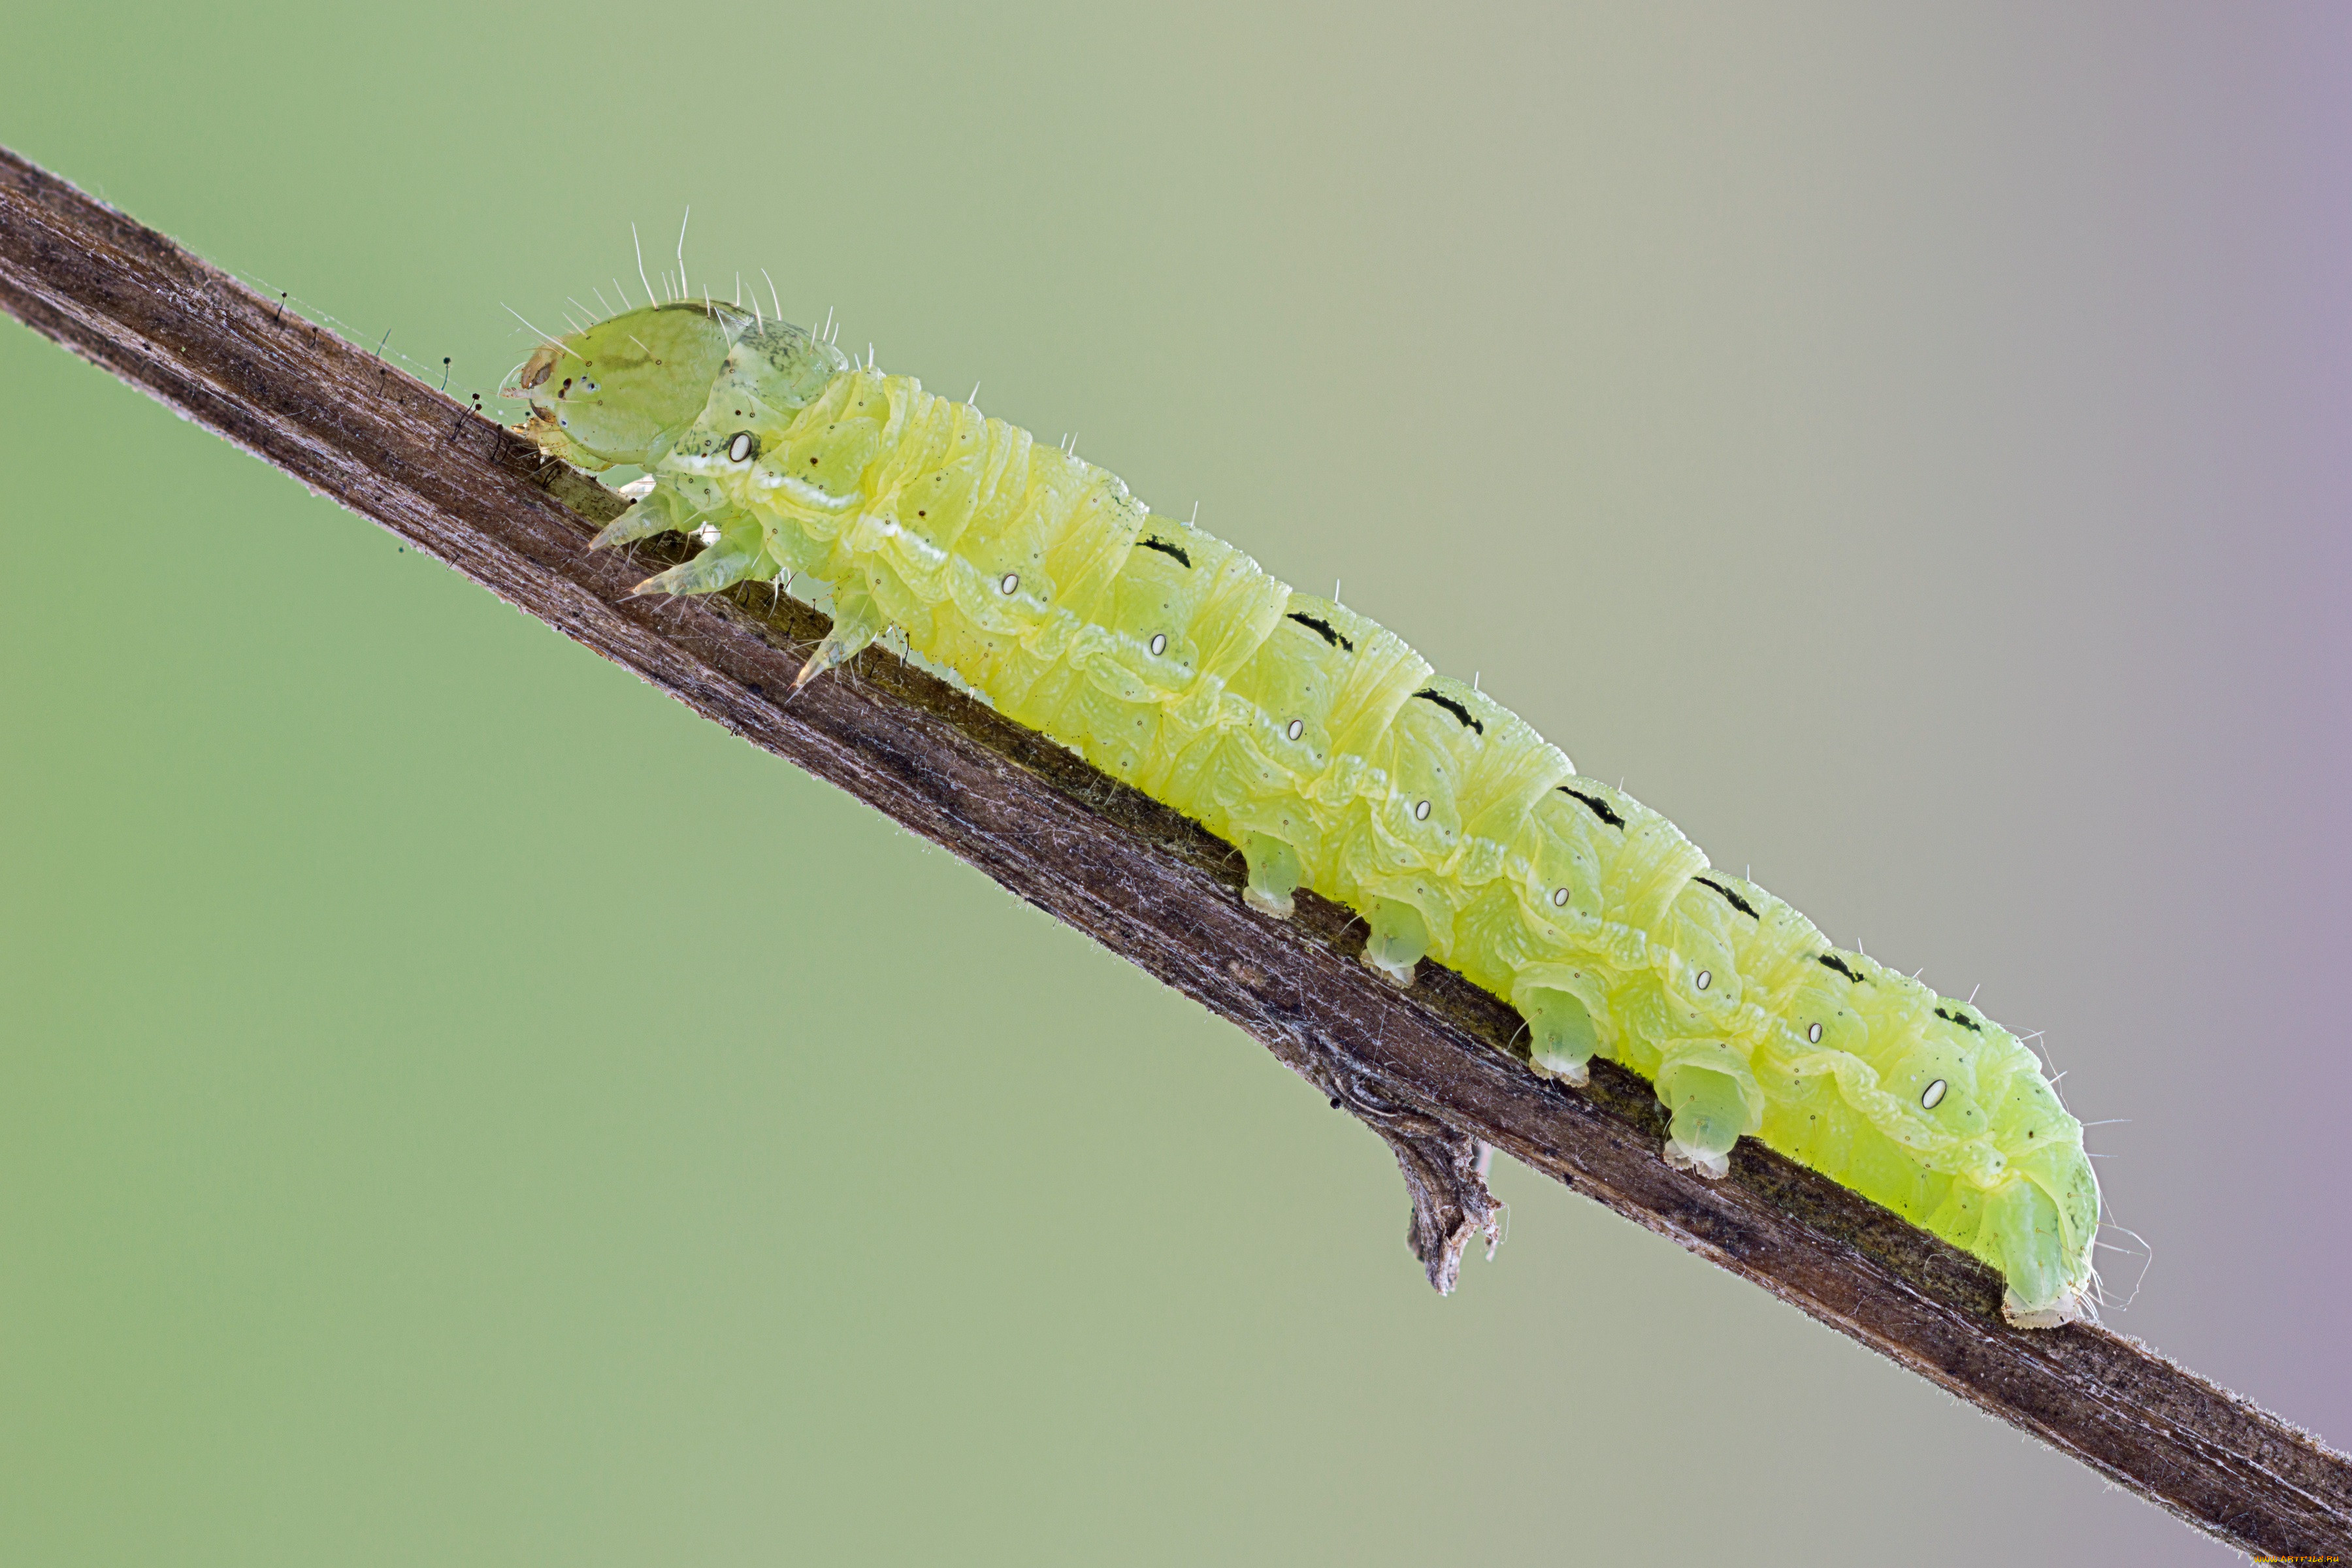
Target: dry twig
<point x="1431" y="1071"/>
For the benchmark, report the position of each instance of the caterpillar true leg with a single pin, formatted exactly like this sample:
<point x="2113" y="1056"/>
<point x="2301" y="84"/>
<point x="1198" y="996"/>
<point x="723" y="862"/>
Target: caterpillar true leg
<point x="1274" y="874"/>
<point x="653" y="511"/>
<point x="856" y="621"/>
<point x="733" y="551"/>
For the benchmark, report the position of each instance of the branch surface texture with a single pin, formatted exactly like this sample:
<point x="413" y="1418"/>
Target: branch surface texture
<point x="1431" y="1070"/>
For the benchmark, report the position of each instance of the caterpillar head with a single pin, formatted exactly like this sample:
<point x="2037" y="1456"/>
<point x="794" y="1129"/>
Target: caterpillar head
<point x="624" y="390"/>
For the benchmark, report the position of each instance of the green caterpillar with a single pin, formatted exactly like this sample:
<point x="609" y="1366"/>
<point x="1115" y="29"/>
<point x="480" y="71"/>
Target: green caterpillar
<point x="1334" y="758"/>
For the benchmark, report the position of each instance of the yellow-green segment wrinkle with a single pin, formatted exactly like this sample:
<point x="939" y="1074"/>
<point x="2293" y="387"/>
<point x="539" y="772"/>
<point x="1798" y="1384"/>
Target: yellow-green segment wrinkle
<point x="1334" y="758"/>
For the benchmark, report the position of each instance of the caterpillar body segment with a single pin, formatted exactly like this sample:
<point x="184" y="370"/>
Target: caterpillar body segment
<point x="1331" y="755"/>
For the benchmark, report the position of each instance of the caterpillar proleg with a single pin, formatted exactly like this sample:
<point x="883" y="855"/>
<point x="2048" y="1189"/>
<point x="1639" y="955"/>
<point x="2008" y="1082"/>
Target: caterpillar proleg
<point x="1333" y="757"/>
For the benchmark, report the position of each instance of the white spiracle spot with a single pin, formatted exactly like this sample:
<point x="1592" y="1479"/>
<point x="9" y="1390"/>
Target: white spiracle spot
<point x="1295" y="727"/>
<point x="1814" y="1033"/>
<point x="1704" y="976"/>
<point x="1158" y="644"/>
<point x="1010" y="580"/>
<point x="1934" y="1095"/>
<point x="1421" y="812"/>
<point x="738" y="450"/>
<point x="1559" y="898"/>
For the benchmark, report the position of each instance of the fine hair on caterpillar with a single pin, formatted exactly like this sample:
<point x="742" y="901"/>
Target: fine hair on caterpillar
<point x="1328" y="754"/>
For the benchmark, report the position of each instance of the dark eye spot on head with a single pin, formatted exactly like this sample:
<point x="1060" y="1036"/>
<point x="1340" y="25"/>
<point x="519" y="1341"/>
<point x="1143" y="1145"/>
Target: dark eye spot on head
<point x="1962" y="1019"/>
<point x="1736" y="903"/>
<point x="1600" y="807"/>
<point x="1451" y="706"/>
<point x="1165" y="547"/>
<point x="1832" y="960"/>
<point x="1323" y="629"/>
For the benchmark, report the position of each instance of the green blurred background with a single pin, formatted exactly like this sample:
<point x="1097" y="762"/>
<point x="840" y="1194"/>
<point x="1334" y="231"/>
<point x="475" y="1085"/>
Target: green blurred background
<point x="457" y="1107"/>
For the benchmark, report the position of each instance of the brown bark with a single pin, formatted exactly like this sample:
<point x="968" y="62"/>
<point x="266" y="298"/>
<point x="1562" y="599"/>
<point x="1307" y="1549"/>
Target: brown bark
<point x="1431" y="1070"/>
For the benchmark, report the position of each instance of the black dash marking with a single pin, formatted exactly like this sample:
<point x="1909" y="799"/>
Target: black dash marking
<point x="1736" y="903"/>
<point x="1600" y="807"/>
<point x="1453" y="708"/>
<point x="1834" y="961"/>
<point x="1165" y="547"/>
<point x="1323" y="629"/>
<point x="1962" y="1019"/>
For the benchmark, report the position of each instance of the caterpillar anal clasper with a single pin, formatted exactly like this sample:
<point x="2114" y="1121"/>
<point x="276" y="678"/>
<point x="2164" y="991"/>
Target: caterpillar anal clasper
<point x="1333" y="758"/>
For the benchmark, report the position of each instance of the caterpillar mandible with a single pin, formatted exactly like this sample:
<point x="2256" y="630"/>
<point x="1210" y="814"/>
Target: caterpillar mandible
<point x="1333" y="757"/>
